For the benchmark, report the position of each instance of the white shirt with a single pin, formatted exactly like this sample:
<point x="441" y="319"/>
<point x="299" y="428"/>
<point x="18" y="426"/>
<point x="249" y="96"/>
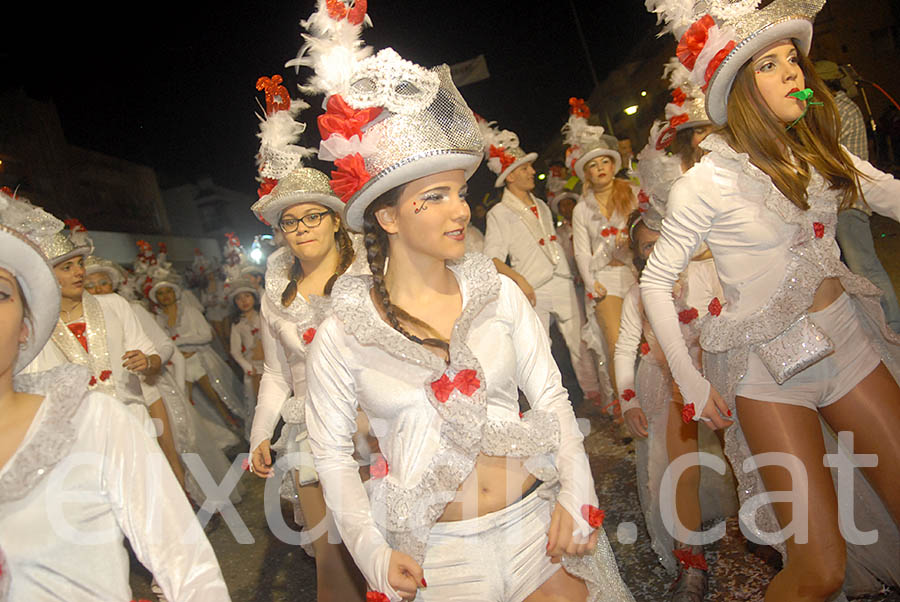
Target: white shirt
<point x="358" y="361"/>
<point x="594" y="239"/>
<point x="112" y="329"/>
<point x="514" y="231"/>
<point x="243" y="339"/>
<point x="191" y="331"/>
<point x="85" y="476"/>
<point x="760" y="241"/>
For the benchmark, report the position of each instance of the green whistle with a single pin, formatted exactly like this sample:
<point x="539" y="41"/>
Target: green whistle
<point x="804" y="94"/>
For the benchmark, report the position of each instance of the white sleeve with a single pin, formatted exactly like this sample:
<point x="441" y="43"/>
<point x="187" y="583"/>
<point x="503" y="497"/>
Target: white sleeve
<point x="496" y="246"/>
<point x="195" y="330"/>
<point x="154" y="513"/>
<point x="688" y="222"/>
<point x="581" y="243"/>
<point x="881" y="190"/>
<point x="331" y="419"/>
<point x="133" y="336"/>
<point x="630" y="328"/>
<point x="538" y="377"/>
<point x="275" y="385"/>
<point x="235" y="348"/>
<point x="165" y="348"/>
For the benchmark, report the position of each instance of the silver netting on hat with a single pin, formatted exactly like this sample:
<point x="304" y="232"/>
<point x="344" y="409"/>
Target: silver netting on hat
<point x="56" y="246"/>
<point x="278" y="163"/>
<point x="445" y="125"/>
<point x="388" y="80"/>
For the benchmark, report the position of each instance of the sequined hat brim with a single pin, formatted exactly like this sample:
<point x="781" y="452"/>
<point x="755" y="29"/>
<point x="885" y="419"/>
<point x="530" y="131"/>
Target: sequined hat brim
<point x="82" y="251"/>
<point x="501" y="179"/>
<point x="798" y="28"/>
<point x="271" y="207"/>
<point x="409" y="169"/>
<point x="40" y="287"/>
<point x="592" y="154"/>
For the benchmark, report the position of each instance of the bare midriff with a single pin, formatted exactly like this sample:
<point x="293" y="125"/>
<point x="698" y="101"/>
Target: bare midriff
<point x="495" y="483"/>
<point x="827" y="293"/>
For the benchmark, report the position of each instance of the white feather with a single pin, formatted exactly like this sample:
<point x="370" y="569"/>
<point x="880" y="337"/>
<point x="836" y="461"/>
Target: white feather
<point x="676" y="15"/>
<point x="578" y="132"/>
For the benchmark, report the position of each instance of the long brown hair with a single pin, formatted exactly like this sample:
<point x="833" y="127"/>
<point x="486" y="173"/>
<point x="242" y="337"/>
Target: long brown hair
<point x="787" y="156"/>
<point x="345" y="248"/>
<point x="377" y="247"/>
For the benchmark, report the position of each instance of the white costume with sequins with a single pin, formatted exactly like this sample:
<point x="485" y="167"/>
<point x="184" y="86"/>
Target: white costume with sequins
<point x="653" y="390"/>
<point x="85" y="476"/>
<point x="433" y="419"/>
<point x="771" y="257"/>
<point x="245" y="336"/>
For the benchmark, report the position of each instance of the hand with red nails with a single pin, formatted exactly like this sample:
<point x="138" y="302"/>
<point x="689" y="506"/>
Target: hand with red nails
<point x="561" y="538"/>
<point x="716" y="410"/>
<point x="405" y="575"/>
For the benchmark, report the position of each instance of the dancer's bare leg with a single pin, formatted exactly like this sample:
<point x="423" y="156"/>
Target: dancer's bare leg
<point x="681" y="439"/>
<point x="211" y="394"/>
<point x="609" y="314"/>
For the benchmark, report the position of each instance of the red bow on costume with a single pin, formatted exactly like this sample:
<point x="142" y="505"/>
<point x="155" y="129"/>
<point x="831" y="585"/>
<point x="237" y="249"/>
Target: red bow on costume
<point x="690" y="560"/>
<point x="678" y="96"/>
<point x="337" y="10"/>
<point x="579" y="108"/>
<point x="379" y="469"/>
<point x="277" y="97"/>
<point x="309" y="335"/>
<point x="465" y="380"/>
<point x="340" y="118"/>
<point x="78" y="330"/>
<point x="611" y="231"/>
<point x="693" y="41"/>
<point x="819" y="229"/>
<point x="349" y="177"/>
<point x="505" y="159"/>
<point x="628" y="394"/>
<point x="715" y="306"/>
<point x="265" y="187"/>
<point x="687" y="316"/>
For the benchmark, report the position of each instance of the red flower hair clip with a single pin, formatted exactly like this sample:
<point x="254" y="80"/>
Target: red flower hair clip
<point x="337" y="10"/>
<point x="350" y="176"/>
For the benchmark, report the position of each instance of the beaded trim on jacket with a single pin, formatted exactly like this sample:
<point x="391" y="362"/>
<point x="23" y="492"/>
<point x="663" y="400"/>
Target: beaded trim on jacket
<point x="64" y="388"/>
<point x="406" y="515"/>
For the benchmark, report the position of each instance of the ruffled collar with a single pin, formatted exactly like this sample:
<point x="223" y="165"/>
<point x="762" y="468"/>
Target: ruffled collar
<point x="278" y="269"/>
<point x="64" y="388"/>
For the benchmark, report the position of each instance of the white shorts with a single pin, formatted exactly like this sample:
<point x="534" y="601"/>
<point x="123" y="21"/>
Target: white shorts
<point x="616" y="280"/>
<point x="498" y="557"/>
<point x="830" y="378"/>
<point x="193" y="368"/>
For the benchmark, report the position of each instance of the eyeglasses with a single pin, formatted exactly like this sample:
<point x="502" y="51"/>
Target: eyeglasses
<point x="310" y="220"/>
<point x="97" y="284"/>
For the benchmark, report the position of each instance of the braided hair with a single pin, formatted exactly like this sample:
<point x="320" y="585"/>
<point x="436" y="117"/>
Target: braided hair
<point x="345" y="248"/>
<point x="377" y="247"/>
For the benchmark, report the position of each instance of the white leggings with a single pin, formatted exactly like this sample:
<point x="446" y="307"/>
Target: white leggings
<point x="498" y="557"/>
<point x="830" y="378"/>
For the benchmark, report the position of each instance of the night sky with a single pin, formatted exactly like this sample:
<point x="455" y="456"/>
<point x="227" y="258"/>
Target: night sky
<point x="171" y="85"/>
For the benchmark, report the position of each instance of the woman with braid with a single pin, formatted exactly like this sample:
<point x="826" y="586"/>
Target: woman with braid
<point x="315" y="249"/>
<point x="470" y="500"/>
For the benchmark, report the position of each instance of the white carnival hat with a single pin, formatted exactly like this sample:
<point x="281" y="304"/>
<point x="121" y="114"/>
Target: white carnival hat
<point x="237" y="286"/>
<point x="687" y="109"/>
<point x="502" y="151"/>
<point x="94" y="264"/>
<point x="24" y="230"/>
<point x="717" y="37"/>
<point x="388" y="121"/>
<point x="63" y="246"/>
<point x="556" y="189"/>
<point x="157" y="277"/>
<point x="586" y="141"/>
<point x="657" y="171"/>
<point x="284" y="181"/>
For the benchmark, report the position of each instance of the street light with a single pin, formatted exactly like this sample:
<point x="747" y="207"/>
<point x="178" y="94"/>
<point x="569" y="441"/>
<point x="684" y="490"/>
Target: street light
<point x="631" y="110"/>
<point x="542" y="176"/>
<point x="643" y="93"/>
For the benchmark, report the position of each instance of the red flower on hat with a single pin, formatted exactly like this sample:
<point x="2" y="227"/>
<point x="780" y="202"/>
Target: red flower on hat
<point x="628" y="394"/>
<point x="505" y="159"/>
<point x="715" y="306"/>
<point x="379" y="469"/>
<point x="8" y="191"/>
<point x="687" y="413"/>
<point x="693" y="41"/>
<point x="358" y="12"/>
<point x="74" y="225"/>
<point x="104" y="376"/>
<point x="265" y="187"/>
<point x="277" y="97"/>
<point x="342" y="119"/>
<point x="686" y="316"/>
<point x="593" y="515"/>
<point x="645" y="348"/>
<point x="678" y="120"/>
<point x="690" y="560"/>
<point x="819" y="229"/>
<point x="337" y="10"/>
<point x="309" y="335"/>
<point x="678" y="96"/>
<point x="349" y="177"/>
<point x="376" y="597"/>
<point x="579" y="108"/>
<point x="716" y="61"/>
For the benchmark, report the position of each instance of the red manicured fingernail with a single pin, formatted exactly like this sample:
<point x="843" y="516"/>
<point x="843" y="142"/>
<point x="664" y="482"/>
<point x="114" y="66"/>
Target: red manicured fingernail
<point x="423" y="582"/>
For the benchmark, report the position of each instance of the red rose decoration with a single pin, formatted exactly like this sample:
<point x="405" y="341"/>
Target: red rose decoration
<point x="687" y="316"/>
<point x="541" y="242"/>
<point x="349" y="177"/>
<point x="628" y="394"/>
<point x="593" y="515"/>
<point x="105" y="375"/>
<point x="693" y="41"/>
<point x="579" y="108"/>
<point x="93" y="381"/>
<point x="819" y="229"/>
<point x="553" y="238"/>
<point x="716" y="61"/>
<point x="613" y="230"/>
<point x="505" y="159"/>
<point x="645" y="348"/>
<point x="604" y="232"/>
<point x="467" y="382"/>
<point x="690" y="560"/>
<point x="715" y="306"/>
<point x="687" y="413"/>
<point x="309" y="335"/>
<point x="356" y="14"/>
<point x="379" y="469"/>
<point x="643" y="198"/>
<point x="442" y="388"/>
<point x="678" y="97"/>
<point x="343" y="120"/>
<point x="376" y="597"/>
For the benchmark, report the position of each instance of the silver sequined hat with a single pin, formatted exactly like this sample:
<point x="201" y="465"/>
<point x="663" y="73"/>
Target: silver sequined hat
<point x="586" y="141"/>
<point x="502" y="151"/>
<point x="717" y="37"/>
<point x="388" y="121"/>
<point x="24" y="229"/>
<point x="64" y="245"/>
<point x="235" y="287"/>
